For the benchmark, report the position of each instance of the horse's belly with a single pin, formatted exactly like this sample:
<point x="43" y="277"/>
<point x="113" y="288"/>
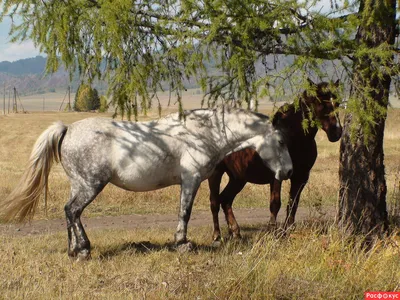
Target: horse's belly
<point x="141" y="186"/>
<point x="145" y="181"/>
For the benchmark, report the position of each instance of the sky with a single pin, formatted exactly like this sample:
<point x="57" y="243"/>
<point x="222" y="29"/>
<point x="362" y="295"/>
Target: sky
<point x="15" y="51"/>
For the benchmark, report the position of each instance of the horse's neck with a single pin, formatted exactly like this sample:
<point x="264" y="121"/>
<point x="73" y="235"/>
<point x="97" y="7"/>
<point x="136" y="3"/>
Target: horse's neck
<point x="240" y="129"/>
<point x="295" y="118"/>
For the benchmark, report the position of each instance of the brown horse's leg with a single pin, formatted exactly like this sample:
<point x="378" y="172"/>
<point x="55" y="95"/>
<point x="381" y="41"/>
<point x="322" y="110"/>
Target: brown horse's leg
<point x="227" y="196"/>
<point x="296" y="187"/>
<point x="275" y="201"/>
<point x="214" y="183"/>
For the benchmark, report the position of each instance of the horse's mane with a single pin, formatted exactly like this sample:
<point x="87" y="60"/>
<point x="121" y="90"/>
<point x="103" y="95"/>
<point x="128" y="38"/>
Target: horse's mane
<point x="227" y="108"/>
<point x="284" y="111"/>
<point x="305" y="102"/>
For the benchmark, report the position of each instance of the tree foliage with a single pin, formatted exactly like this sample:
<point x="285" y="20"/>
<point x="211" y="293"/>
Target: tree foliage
<point x="103" y="104"/>
<point x="139" y="46"/>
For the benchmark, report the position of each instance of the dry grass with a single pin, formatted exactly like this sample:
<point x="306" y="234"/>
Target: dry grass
<point x="313" y="263"/>
<point x="141" y="264"/>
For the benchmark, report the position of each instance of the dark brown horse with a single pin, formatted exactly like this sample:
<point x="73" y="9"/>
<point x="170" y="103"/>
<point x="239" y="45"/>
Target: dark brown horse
<point x="318" y="109"/>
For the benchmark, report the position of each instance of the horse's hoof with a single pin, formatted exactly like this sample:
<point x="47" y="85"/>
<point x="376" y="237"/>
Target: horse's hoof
<point x="83" y="255"/>
<point x="272" y="225"/>
<point x="280" y="232"/>
<point x="234" y="236"/>
<point x="216" y="244"/>
<point x="237" y="236"/>
<point x="269" y="228"/>
<point x="185" y="247"/>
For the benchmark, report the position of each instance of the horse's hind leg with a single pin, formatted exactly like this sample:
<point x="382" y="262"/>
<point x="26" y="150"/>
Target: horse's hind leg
<point x="214" y="184"/>
<point x="78" y="242"/>
<point x="227" y="196"/>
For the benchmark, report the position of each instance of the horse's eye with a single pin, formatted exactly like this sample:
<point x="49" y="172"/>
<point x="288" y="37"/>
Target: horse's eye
<point x="281" y="142"/>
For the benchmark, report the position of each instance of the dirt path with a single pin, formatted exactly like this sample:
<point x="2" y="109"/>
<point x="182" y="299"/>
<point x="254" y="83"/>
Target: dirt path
<point x="199" y="218"/>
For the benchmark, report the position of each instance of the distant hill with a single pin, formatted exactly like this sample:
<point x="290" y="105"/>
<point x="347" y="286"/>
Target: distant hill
<point x="26" y="66"/>
<point x="27" y="76"/>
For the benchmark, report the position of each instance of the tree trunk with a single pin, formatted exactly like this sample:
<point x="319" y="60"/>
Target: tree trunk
<point x="362" y="195"/>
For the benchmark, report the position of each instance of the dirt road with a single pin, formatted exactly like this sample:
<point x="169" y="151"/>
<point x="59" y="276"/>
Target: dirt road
<point x="199" y="218"/>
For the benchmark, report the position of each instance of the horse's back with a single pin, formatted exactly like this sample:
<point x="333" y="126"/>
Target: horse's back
<point x="135" y="156"/>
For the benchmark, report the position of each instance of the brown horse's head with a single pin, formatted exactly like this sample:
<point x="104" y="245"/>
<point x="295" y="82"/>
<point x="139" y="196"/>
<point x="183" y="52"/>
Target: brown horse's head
<point x="323" y="104"/>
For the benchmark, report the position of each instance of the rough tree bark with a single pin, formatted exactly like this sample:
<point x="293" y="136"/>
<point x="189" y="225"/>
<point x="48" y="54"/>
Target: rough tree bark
<point x="362" y="196"/>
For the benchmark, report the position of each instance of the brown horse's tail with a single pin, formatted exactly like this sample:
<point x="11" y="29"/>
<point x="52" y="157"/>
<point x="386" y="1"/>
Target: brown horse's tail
<point x="22" y="202"/>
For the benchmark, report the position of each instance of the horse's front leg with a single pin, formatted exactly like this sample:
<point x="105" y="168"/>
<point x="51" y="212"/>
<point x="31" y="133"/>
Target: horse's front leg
<point x="190" y="185"/>
<point x="296" y="187"/>
<point x="275" y="201"/>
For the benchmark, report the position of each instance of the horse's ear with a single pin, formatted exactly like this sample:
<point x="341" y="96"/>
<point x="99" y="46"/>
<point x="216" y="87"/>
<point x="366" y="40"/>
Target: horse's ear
<point x="336" y="84"/>
<point x="276" y="119"/>
<point x="310" y="81"/>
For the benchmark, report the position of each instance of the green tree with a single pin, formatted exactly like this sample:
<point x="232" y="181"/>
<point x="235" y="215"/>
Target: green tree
<point x="138" y="46"/>
<point x="135" y="46"/>
<point x="86" y="98"/>
<point x="362" y="197"/>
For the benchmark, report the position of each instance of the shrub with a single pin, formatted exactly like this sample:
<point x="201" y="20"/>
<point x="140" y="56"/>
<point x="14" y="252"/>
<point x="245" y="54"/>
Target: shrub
<point x="86" y="98"/>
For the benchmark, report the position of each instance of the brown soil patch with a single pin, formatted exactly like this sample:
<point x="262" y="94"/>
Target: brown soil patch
<point x="256" y="216"/>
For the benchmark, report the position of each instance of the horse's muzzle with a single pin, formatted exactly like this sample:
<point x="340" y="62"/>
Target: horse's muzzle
<point x="335" y="134"/>
<point x="283" y="175"/>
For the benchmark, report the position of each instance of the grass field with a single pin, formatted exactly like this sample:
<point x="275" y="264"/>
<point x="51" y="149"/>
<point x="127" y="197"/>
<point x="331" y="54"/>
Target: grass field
<point x="314" y="262"/>
<point x="141" y="264"/>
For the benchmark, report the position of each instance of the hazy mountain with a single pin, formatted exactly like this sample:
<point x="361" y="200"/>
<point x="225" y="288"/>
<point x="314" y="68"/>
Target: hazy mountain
<point x="27" y="76"/>
<point x="30" y="66"/>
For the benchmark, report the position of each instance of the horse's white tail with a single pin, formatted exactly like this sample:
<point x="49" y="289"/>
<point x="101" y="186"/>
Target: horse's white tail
<point x="22" y="202"/>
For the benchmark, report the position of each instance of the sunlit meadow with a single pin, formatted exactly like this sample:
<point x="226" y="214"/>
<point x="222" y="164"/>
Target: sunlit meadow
<point x="313" y="262"/>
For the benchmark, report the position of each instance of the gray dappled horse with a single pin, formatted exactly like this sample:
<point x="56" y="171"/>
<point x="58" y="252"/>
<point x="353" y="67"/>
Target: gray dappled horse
<point x="142" y="157"/>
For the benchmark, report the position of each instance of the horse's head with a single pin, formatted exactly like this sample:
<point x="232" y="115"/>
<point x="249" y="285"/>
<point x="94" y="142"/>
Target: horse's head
<point x="323" y="104"/>
<point x="275" y="155"/>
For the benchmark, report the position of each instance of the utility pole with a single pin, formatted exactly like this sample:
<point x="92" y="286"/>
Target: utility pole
<point x="9" y="98"/>
<point x="68" y="92"/>
<point x="16" y="101"/>
<point x="4" y="99"/>
<point x="69" y="98"/>
<point x="15" y="106"/>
